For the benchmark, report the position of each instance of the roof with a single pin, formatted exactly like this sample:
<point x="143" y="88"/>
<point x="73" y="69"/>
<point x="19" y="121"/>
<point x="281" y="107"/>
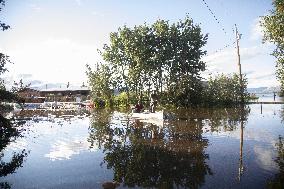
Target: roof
<point x="71" y="88"/>
<point x="27" y="89"/>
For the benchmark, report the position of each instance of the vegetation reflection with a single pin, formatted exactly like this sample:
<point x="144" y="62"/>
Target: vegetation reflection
<point x="278" y="180"/>
<point x="9" y="131"/>
<point x="167" y="155"/>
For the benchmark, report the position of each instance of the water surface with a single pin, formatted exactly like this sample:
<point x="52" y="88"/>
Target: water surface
<point x="203" y="148"/>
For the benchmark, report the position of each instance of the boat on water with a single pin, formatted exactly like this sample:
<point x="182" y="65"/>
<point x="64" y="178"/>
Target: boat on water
<point x="156" y="118"/>
<point x="148" y="115"/>
<point x="159" y="115"/>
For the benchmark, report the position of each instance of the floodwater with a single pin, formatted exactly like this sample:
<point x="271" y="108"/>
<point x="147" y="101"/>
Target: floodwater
<point x="203" y="148"/>
<point x="268" y="97"/>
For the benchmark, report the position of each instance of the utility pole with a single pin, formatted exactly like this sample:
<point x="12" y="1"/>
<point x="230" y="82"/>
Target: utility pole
<point x="241" y="167"/>
<point x="238" y="37"/>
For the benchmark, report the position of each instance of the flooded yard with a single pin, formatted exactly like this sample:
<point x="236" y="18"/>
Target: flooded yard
<point x="202" y="148"/>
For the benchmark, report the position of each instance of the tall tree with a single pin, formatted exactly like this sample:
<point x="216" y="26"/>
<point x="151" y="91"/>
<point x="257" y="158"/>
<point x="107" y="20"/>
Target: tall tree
<point x="100" y="81"/>
<point x="273" y="25"/>
<point x="5" y="96"/>
<point x="162" y="57"/>
<point x="3" y="26"/>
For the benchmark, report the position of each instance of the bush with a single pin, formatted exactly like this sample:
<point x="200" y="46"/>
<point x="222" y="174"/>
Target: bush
<point x="225" y="90"/>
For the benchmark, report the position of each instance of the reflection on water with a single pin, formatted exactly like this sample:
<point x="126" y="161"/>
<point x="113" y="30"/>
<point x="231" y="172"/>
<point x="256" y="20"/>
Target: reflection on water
<point x="148" y="155"/>
<point x="202" y="148"/>
<point x="9" y="132"/>
<point x="145" y="155"/>
<point x="278" y="180"/>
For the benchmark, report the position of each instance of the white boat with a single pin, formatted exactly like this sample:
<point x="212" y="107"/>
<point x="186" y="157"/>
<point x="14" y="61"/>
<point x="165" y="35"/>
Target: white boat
<point x="159" y="115"/>
<point x="156" y="118"/>
<point x="148" y="115"/>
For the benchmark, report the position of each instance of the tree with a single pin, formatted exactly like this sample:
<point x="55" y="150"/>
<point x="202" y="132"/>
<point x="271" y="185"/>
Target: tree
<point x="273" y="25"/>
<point x="3" y="58"/>
<point x="3" y="26"/>
<point x="225" y="90"/>
<point x="161" y="57"/>
<point x="100" y="81"/>
<point x="5" y="96"/>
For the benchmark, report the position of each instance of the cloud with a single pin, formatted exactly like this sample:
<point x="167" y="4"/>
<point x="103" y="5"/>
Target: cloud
<point x="54" y="60"/>
<point x="263" y="79"/>
<point x="27" y="79"/>
<point x="258" y="76"/>
<point x="264" y="158"/>
<point x="247" y="73"/>
<point x="63" y="150"/>
<point x="24" y="76"/>
<point x="35" y="8"/>
<point x="35" y="82"/>
<point x="226" y="61"/>
<point x="96" y="13"/>
<point x="230" y="55"/>
<point x="219" y="57"/>
<point x="252" y="52"/>
<point x="79" y="2"/>
<point x="255" y="64"/>
<point x="256" y="32"/>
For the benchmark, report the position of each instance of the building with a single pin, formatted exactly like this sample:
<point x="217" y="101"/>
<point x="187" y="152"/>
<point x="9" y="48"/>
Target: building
<point x="30" y="95"/>
<point x="67" y="94"/>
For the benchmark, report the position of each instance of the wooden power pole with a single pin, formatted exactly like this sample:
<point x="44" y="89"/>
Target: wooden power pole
<point x="238" y="37"/>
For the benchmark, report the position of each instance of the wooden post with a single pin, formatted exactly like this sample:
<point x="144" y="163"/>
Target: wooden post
<point x="274" y="95"/>
<point x="239" y="64"/>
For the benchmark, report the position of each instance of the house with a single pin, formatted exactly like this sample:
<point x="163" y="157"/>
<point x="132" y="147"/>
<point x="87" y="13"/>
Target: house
<point x="68" y="93"/>
<point x="30" y="95"/>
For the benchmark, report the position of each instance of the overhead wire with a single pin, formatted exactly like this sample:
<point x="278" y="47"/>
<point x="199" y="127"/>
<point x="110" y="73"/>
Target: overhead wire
<point x="214" y="16"/>
<point x="222" y="28"/>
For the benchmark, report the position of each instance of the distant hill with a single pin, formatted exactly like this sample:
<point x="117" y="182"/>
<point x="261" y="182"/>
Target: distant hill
<point x="263" y="90"/>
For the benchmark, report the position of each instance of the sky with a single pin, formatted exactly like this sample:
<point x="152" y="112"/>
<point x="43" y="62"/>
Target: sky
<point x="51" y="41"/>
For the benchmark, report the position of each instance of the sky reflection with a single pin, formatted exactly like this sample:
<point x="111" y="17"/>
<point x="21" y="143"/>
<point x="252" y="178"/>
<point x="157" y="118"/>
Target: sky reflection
<point x="210" y="147"/>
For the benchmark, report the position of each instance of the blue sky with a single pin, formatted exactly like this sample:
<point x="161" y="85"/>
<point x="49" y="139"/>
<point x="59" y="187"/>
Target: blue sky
<point x="51" y="41"/>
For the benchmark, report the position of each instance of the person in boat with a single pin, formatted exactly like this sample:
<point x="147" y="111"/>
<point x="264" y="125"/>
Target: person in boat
<point x="138" y="108"/>
<point x="153" y="102"/>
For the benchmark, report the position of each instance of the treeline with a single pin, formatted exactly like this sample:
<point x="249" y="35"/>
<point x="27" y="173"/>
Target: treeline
<point x="162" y="57"/>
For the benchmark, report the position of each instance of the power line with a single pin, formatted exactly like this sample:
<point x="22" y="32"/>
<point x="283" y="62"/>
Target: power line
<point x="215" y="18"/>
<point x="223" y="48"/>
<point x="222" y="28"/>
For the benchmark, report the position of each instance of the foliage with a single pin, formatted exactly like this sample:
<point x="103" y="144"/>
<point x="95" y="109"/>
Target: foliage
<point x="278" y="180"/>
<point x="163" y="58"/>
<point x="225" y="90"/>
<point x="273" y="25"/>
<point x="121" y="99"/>
<point x="144" y="155"/>
<point x="159" y="57"/>
<point x="5" y="96"/>
<point x="100" y="81"/>
<point x="148" y="156"/>
<point x="9" y="131"/>
<point x="3" y="26"/>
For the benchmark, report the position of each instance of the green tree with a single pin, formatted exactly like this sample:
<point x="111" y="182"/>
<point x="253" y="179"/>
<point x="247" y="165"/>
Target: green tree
<point x="162" y="57"/>
<point x="3" y="26"/>
<point x="273" y="25"/>
<point x="225" y="90"/>
<point x="5" y="96"/>
<point x="100" y="81"/>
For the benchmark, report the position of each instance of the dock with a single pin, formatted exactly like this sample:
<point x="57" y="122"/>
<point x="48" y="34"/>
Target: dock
<point x="276" y="102"/>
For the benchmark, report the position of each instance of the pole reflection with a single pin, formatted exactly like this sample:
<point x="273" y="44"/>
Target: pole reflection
<point x="170" y="155"/>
